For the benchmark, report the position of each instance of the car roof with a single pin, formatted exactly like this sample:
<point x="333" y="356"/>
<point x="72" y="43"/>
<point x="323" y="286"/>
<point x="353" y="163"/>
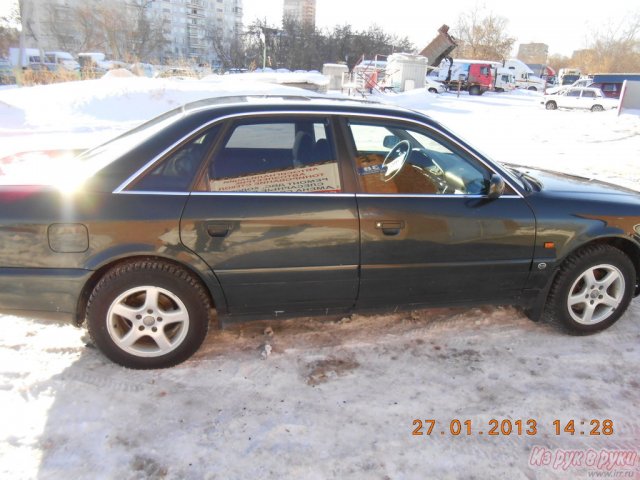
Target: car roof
<point x="280" y="99"/>
<point x="307" y="103"/>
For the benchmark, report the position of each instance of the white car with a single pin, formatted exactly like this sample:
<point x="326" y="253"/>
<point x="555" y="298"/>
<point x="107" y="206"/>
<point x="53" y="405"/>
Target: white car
<point x="586" y="98"/>
<point x="433" y="86"/>
<point x="583" y="82"/>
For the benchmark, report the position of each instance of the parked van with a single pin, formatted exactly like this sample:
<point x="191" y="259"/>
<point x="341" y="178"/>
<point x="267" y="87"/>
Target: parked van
<point x="30" y="56"/>
<point x="62" y="60"/>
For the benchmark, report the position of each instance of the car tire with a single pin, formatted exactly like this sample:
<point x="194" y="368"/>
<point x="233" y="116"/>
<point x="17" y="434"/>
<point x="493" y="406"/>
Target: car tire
<point x="533" y="89"/>
<point x="592" y="290"/>
<point x="148" y="314"/>
<point x="551" y="105"/>
<point x="597" y="108"/>
<point x="433" y="90"/>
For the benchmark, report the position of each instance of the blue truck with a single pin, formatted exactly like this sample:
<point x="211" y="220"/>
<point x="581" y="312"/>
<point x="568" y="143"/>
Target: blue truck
<point x="611" y="83"/>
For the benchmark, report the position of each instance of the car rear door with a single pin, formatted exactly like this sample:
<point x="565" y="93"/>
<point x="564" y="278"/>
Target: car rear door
<point x="272" y="218"/>
<point x="588" y="99"/>
<point x="429" y="233"/>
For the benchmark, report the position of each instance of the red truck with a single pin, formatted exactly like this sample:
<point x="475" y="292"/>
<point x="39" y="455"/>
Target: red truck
<point x="475" y="76"/>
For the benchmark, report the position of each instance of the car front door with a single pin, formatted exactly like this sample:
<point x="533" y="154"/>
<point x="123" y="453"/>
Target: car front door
<point x="272" y="219"/>
<point x="429" y="232"/>
<point x="571" y="99"/>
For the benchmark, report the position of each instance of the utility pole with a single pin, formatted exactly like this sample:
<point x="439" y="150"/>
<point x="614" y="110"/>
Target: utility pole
<point x="24" y="15"/>
<point x="263" y="37"/>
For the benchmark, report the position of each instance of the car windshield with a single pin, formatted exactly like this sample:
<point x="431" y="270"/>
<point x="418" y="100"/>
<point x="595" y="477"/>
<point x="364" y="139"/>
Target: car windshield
<point x="68" y="171"/>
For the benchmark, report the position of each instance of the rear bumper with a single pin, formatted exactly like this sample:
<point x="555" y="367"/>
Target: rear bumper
<point x="41" y="289"/>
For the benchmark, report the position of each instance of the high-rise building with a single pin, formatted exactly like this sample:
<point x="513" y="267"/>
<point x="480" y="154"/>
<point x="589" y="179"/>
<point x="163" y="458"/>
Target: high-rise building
<point x="303" y="11"/>
<point x="196" y="29"/>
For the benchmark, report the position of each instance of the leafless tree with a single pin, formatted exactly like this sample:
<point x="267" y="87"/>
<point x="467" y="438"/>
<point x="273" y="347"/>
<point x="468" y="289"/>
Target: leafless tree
<point x="614" y="49"/>
<point x="557" y="61"/>
<point x="482" y="36"/>
<point x="125" y="29"/>
<point x="9" y="33"/>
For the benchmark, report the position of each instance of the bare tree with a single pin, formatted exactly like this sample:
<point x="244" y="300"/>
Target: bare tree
<point x="125" y="29"/>
<point x="9" y="33"/>
<point x="483" y="36"/>
<point x="230" y="52"/>
<point x="557" y="61"/>
<point x="615" y="49"/>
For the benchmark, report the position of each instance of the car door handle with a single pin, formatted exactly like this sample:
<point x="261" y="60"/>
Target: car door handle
<point x="218" y="229"/>
<point x="390" y="228"/>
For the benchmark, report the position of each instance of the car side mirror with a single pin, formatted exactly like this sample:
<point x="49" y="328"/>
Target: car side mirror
<point x="390" y="141"/>
<point x="496" y="186"/>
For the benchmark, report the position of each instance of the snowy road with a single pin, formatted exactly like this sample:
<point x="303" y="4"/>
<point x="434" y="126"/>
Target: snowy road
<point x="336" y="398"/>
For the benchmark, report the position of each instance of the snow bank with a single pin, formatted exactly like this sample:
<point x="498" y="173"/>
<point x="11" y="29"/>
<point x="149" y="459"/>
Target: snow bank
<point x="81" y="114"/>
<point x="273" y="77"/>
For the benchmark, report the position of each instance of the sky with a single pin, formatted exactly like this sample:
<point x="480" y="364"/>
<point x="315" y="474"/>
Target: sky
<point x="564" y="26"/>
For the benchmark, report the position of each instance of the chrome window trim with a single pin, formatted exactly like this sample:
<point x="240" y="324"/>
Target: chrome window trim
<point x="274" y="194"/>
<point x="153" y="192"/>
<point x="429" y="195"/>
<point x="337" y="112"/>
<point x="342" y="195"/>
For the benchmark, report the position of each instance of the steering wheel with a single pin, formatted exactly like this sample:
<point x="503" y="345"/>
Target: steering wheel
<point x="395" y="159"/>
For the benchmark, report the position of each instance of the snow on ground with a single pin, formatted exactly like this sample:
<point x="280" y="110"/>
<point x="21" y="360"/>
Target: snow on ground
<point x="337" y="397"/>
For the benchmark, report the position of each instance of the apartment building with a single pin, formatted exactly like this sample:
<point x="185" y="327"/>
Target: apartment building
<point x="192" y="27"/>
<point x="303" y="11"/>
<point x="179" y="29"/>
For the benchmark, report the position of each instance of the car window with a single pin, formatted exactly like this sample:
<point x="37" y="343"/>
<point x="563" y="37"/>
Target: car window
<point x="573" y="93"/>
<point x="176" y="172"/>
<point x="292" y="155"/>
<point x="609" y="87"/>
<point x="589" y="94"/>
<point x="395" y="159"/>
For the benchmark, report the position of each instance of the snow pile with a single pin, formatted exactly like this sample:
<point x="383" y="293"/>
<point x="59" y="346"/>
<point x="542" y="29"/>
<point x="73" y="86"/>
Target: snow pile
<point x="81" y="114"/>
<point x="118" y="73"/>
<point x="278" y="78"/>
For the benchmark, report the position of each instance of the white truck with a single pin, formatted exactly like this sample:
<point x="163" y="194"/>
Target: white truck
<point x="525" y="78"/>
<point x="567" y="76"/>
<point x="30" y="56"/>
<point x="505" y="80"/>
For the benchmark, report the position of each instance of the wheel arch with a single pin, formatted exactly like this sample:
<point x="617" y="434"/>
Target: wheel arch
<point x="626" y="246"/>
<point x="211" y="285"/>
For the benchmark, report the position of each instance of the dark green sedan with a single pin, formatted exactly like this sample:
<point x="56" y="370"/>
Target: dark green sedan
<point x="255" y="207"/>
